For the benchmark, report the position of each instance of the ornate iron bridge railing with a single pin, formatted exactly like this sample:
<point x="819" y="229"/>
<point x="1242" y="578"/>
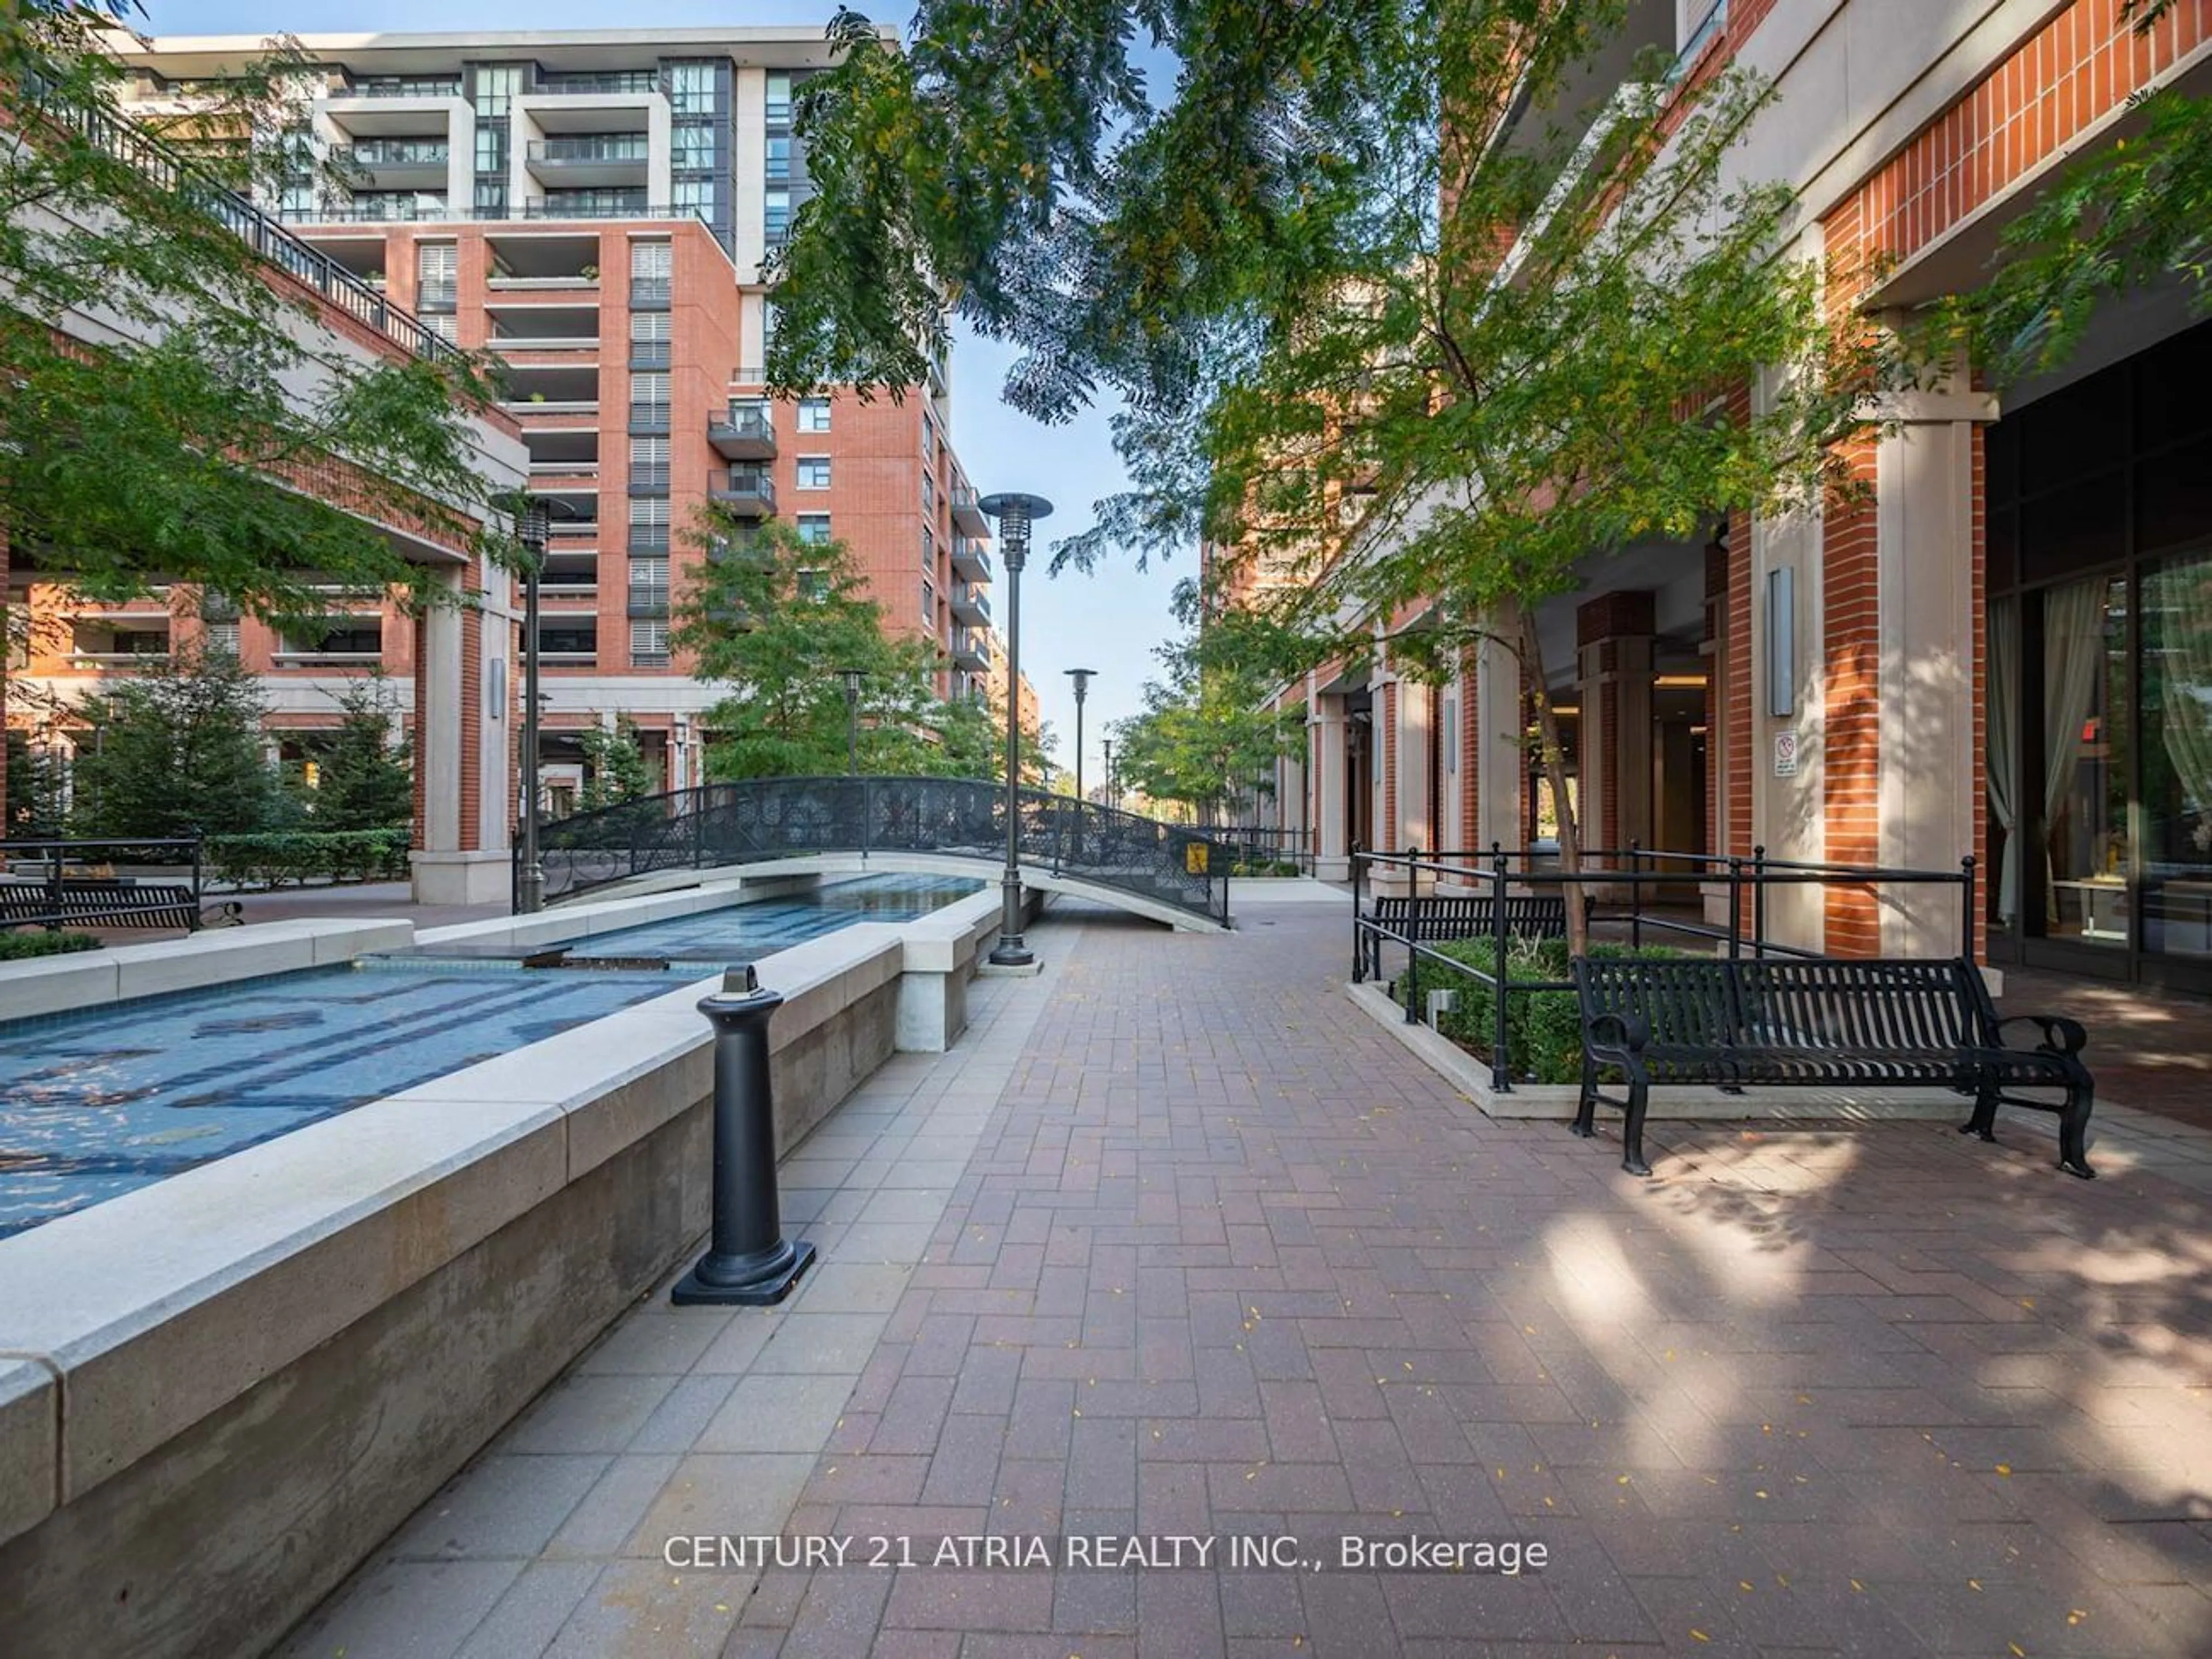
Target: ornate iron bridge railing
<point x="764" y="818"/>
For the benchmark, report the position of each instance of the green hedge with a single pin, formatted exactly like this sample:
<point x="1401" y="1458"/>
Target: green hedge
<point x="295" y="856"/>
<point x="1543" y="1029"/>
<point x="38" y="942"/>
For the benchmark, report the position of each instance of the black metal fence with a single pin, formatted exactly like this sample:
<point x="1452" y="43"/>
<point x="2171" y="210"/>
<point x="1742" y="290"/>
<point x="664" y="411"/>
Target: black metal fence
<point x="40" y="877"/>
<point x="764" y="818"/>
<point x="1633" y="916"/>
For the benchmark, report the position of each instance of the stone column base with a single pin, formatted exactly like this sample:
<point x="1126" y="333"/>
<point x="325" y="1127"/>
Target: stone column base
<point x="462" y="877"/>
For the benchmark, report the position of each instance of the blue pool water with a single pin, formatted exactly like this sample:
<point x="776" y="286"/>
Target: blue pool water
<point x="99" y="1102"/>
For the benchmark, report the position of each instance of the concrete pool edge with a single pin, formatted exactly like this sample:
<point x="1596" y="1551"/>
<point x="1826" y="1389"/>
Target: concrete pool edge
<point x="158" y="1351"/>
<point x="122" y="973"/>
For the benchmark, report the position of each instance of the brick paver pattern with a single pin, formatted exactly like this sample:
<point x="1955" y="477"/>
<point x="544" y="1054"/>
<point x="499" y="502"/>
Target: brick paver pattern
<point x="1228" y="1261"/>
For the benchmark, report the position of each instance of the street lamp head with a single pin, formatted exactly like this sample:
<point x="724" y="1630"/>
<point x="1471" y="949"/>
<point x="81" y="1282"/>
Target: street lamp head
<point x="1015" y="512"/>
<point x="853" y="677"/>
<point x="1082" y="678"/>
<point x="533" y="524"/>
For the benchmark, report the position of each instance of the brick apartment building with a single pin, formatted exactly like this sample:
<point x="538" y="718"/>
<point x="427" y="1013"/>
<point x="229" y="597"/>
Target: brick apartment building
<point x="593" y="207"/>
<point x="449" y="664"/>
<point x="2006" y="652"/>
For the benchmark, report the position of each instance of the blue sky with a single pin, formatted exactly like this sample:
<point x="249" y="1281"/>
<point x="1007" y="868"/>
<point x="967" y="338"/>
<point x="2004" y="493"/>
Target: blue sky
<point x="1109" y="621"/>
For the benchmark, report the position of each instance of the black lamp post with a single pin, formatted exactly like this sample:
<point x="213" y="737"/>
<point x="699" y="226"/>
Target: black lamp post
<point x="1109" y="773"/>
<point x="853" y="677"/>
<point x="1082" y="678"/>
<point x="533" y="525"/>
<point x="1015" y="513"/>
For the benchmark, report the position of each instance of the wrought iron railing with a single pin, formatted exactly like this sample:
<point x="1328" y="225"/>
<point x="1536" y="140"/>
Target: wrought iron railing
<point x="764" y="818"/>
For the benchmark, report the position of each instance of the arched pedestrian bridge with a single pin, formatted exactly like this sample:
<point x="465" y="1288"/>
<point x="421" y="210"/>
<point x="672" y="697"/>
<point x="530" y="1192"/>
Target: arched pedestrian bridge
<point x="946" y="825"/>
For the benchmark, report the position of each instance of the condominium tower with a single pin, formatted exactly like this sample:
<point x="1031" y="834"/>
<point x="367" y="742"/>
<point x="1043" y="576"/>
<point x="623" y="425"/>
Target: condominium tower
<point x="595" y="207"/>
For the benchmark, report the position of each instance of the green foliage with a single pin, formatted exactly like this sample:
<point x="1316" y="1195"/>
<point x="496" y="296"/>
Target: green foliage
<point x="364" y="780"/>
<point x="617" y="771"/>
<point x="21" y="944"/>
<point x="35" y="794"/>
<point x="165" y="452"/>
<point x="1543" y="1029"/>
<point x="293" y="857"/>
<point x="1204" y="737"/>
<point x="2126" y="216"/>
<point x="776" y="620"/>
<point x="175" y="750"/>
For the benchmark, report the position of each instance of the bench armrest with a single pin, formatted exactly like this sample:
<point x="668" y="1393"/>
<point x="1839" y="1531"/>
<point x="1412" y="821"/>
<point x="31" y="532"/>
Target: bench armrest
<point x="1625" y="1030"/>
<point x="2061" y="1035"/>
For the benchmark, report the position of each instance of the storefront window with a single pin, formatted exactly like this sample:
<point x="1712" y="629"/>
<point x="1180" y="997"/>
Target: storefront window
<point x="2085" y="763"/>
<point x="2177" y="757"/>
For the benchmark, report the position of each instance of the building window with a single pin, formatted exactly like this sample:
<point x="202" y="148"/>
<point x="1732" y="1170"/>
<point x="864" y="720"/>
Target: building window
<point x="694" y="196"/>
<point x="491" y="199"/>
<point x="813" y="414"/>
<point x="777" y="221"/>
<point x="649" y="584"/>
<point x="692" y="147"/>
<point x="928" y="439"/>
<point x="779" y="158"/>
<point x="491" y="148"/>
<point x="437" y="276"/>
<point x="496" y="86"/>
<point x="648" y="339"/>
<point x="691" y="88"/>
<point x="928" y="550"/>
<point x="814" y="528"/>
<point x="649" y="642"/>
<point x="649" y="463"/>
<point x="649" y="522"/>
<point x="652" y="268"/>
<point x="813" y="584"/>
<point x="814" y="473"/>
<point x="779" y="98"/>
<point x="928" y="493"/>
<point x="928" y="604"/>
<point x="648" y="399"/>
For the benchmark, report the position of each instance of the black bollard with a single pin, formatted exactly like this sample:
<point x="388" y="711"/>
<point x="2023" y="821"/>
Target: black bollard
<point x="749" y="1261"/>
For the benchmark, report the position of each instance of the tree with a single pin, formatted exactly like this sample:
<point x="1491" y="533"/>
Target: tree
<point x="175" y="751"/>
<point x="616" y="771"/>
<point x="172" y="450"/>
<point x="1297" y="271"/>
<point x="364" y="781"/>
<point x="34" y="795"/>
<point x="775" y="619"/>
<point x="1204" y="738"/>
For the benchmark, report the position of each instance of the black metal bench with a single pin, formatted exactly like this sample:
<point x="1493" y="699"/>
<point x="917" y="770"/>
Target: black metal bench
<point x="110" y="901"/>
<point x="1462" y="915"/>
<point x="1824" y="1022"/>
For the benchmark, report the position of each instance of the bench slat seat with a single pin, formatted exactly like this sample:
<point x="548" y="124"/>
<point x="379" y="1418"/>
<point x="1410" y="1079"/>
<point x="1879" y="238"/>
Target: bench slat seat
<point x="1447" y="916"/>
<point x="1818" y="1022"/>
<point x="106" y="902"/>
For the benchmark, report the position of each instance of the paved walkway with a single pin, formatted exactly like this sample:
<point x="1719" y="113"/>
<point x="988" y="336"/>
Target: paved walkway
<point x="1182" y="1243"/>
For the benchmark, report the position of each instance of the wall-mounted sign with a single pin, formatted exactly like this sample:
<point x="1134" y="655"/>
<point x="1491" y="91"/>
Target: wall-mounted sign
<point x="1194" y="858"/>
<point x="1785" y="754"/>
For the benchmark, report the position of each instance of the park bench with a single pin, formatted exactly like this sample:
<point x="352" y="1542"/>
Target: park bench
<point x="1462" y="915"/>
<point x="110" y="901"/>
<point x="1825" y="1022"/>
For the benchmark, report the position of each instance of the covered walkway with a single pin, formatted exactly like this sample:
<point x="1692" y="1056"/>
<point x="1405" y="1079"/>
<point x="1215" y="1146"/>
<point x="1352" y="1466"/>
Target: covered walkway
<point x="1181" y="1243"/>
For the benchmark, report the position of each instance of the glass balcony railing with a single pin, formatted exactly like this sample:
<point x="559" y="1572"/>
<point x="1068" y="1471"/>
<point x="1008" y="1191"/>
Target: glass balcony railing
<point x="592" y="146"/>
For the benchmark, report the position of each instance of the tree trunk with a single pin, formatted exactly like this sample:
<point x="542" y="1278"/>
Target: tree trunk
<point x="1555" y="773"/>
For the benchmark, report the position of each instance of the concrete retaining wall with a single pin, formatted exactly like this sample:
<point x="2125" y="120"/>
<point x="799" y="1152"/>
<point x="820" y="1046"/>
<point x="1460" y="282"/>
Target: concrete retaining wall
<point x="218" y="1394"/>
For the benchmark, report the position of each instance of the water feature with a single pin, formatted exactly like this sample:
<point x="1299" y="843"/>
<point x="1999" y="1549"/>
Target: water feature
<point x="98" y="1102"/>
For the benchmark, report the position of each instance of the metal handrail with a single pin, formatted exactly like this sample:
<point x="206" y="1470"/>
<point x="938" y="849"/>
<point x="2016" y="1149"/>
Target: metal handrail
<point x="1635" y="867"/>
<point x="764" y="818"/>
<point x="269" y="240"/>
<point x="55" y="855"/>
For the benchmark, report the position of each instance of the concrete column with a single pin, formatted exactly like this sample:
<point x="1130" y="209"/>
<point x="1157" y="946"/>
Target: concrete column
<point x="1930" y="785"/>
<point x="1501" y="758"/>
<point x="1613" y="634"/>
<point x="461" y="744"/>
<point x="1325" y="740"/>
<point x="1417" y="814"/>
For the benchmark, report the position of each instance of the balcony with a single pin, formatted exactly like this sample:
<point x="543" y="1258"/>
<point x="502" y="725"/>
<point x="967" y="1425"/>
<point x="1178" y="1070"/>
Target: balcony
<point x="397" y="163"/>
<point x="969" y="562"/>
<point x="744" y="432"/>
<point x="971" y="605"/>
<point x="970" y="651"/>
<point x="549" y="327"/>
<point x="590" y="159"/>
<point x="748" y="491"/>
<point x="968" y="516"/>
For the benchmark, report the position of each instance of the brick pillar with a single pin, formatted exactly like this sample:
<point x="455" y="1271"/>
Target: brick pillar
<point x="463" y="698"/>
<point x="1613" y="634"/>
<point x="1330" y="780"/>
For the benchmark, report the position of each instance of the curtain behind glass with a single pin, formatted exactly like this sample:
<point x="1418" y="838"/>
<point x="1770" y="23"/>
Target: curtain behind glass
<point x="2073" y="660"/>
<point x="2002" y="762"/>
<point x="2178" y="607"/>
